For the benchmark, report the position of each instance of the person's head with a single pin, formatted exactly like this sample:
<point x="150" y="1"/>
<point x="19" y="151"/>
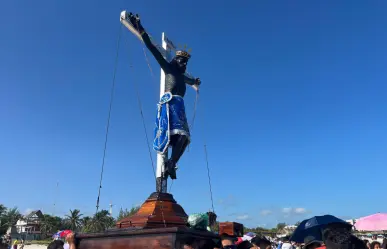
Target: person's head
<point x="245" y="245"/>
<point x="261" y="243"/>
<point x="311" y="242"/>
<point x="180" y="60"/>
<point x="56" y="244"/>
<point x="375" y="245"/>
<point x="339" y="236"/>
<point x="384" y="244"/>
<point x="227" y="241"/>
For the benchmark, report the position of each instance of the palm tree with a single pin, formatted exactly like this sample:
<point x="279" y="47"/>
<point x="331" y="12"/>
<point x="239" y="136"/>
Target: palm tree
<point x="74" y="219"/>
<point x="11" y="216"/>
<point x="47" y="225"/>
<point x="3" y="228"/>
<point x="85" y="223"/>
<point x="51" y="224"/>
<point x="100" y="222"/>
<point x="3" y="209"/>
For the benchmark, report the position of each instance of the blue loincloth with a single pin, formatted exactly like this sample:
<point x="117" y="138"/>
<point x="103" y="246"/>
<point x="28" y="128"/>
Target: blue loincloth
<point x="170" y="120"/>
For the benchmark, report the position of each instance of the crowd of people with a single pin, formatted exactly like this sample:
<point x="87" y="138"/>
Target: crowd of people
<point x="330" y="236"/>
<point x="333" y="236"/>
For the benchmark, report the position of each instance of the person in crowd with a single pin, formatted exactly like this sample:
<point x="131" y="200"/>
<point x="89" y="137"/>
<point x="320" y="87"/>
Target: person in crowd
<point x="279" y="246"/>
<point x="287" y="244"/>
<point x="228" y="242"/>
<point x="367" y="243"/>
<point x="21" y="244"/>
<point x="310" y="242"/>
<point x="339" y="236"/>
<point x="70" y="238"/>
<point x="245" y="245"/>
<point x="15" y="243"/>
<point x="384" y="244"/>
<point x="260" y="243"/>
<point x="375" y="245"/>
<point x="56" y="244"/>
<point x="190" y="243"/>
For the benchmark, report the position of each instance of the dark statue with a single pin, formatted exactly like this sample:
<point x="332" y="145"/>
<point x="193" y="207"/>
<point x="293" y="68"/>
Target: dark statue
<point x="171" y="123"/>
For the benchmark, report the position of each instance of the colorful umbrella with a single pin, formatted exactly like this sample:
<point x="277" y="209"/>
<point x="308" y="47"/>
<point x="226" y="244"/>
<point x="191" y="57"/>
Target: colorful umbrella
<point x="375" y="222"/>
<point x="62" y="234"/>
<point x="65" y="233"/>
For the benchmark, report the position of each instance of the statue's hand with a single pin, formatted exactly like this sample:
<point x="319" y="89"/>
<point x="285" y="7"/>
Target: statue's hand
<point x="135" y="21"/>
<point x="198" y="81"/>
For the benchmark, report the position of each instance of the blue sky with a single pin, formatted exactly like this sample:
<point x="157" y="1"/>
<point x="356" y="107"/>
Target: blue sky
<point x="292" y="106"/>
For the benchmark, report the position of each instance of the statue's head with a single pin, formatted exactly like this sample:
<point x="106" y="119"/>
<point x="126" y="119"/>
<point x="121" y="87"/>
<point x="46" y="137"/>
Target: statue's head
<point x="181" y="60"/>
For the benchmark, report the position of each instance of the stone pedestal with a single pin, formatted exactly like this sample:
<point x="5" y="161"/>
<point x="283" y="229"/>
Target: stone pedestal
<point x="160" y="210"/>
<point x="160" y="223"/>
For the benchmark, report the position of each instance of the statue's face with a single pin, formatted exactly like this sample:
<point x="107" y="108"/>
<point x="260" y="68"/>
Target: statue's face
<point x="181" y="63"/>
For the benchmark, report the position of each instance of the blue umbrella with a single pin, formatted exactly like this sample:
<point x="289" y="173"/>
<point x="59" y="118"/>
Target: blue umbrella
<point x="313" y="227"/>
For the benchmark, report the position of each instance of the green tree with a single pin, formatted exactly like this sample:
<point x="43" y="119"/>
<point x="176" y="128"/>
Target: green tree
<point x="3" y="227"/>
<point x="85" y="221"/>
<point x="3" y="209"/>
<point x="280" y="226"/>
<point x="9" y="217"/>
<point x="74" y="219"/>
<point x="100" y="222"/>
<point x="52" y="224"/>
<point x="126" y="213"/>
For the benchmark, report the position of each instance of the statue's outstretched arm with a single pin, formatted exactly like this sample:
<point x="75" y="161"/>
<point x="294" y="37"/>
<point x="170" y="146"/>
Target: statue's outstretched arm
<point x="156" y="53"/>
<point x="188" y="79"/>
<point x="191" y="80"/>
<point x="136" y="23"/>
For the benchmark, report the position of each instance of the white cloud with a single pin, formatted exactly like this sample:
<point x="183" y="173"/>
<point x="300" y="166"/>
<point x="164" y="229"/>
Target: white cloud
<point x="287" y="210"/>
<point x="295" y="211"/>
<point x="266" y="212"/>
<point x="243" y="217"/>
<point x="300" y="210"/>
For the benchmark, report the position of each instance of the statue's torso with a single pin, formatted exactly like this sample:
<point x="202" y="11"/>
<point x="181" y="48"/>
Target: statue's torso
<point x="174" y="83"/>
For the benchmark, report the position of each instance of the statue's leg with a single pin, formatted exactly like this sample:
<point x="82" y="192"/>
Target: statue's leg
<point x="178" y="147"/>
<point x="179" y="143"/>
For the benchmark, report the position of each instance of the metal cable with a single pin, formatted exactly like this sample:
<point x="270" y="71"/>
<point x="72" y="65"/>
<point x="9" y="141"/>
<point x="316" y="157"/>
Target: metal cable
<point x="109" y="114"/>
<point x="209" y="178"/>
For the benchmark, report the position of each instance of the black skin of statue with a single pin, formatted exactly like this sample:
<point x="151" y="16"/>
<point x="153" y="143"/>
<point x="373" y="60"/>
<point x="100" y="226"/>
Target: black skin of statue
<point x="175" y="82"/>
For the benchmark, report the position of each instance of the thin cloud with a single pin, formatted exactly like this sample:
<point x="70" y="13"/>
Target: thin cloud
<point x="266" y="212"/>
<point x="243" y="217"/>
<point x="300" y="210"/>
<point x="294" y="211"/>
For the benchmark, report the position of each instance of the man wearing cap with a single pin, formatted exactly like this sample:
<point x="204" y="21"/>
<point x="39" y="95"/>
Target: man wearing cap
<point x="171" y="123"/>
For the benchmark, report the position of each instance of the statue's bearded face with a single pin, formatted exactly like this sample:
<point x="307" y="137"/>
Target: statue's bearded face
<point x="181" y="63"/>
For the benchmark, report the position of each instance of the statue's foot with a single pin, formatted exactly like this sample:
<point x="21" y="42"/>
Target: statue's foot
<point x="170" y="169"/>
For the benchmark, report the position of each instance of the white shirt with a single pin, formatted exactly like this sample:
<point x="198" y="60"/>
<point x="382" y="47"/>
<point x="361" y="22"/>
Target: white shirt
<point x="286" y="245"/>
